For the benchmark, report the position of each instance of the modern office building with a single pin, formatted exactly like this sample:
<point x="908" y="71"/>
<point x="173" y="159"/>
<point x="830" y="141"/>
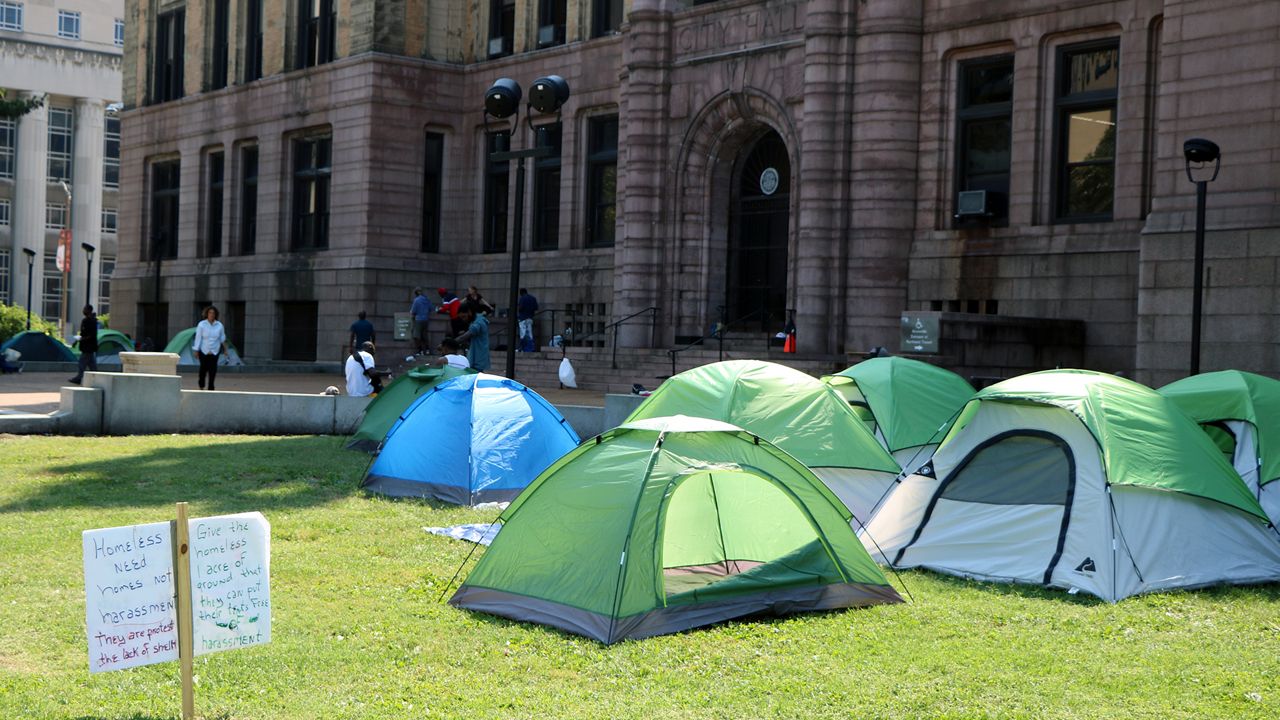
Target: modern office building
<point x="60" y="163"/>
<point x="297" y="161"/>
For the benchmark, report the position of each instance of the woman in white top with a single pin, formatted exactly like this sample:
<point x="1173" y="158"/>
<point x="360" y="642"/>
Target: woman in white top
<point x="210" y="342"/>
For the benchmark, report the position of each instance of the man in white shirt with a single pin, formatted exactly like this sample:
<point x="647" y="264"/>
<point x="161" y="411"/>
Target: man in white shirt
<point x="357" y="368"/>
<point x="450" y="354"/>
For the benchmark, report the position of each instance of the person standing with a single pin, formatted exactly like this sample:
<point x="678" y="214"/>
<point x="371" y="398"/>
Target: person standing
<point x="477" y="301"/>
<point x="421" y="311"/>
<point x="359" y="371"/>
<point x="209" y="343"/>
<point x="88" y="344"/>
<point x="526" y="308"/>
<point x="362" y="332"/>
<point x="450" y="305"/>
<point x="477" y="335"/>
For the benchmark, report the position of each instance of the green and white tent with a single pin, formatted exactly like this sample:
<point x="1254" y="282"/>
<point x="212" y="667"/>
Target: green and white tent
<point x="797" y="412"/>
<point x="110" y="344"/>
<point x="1241" y="413"/>
<point x="667" y="524"/>
<point x="1080" y="480"/>
<point x="180" y="345"/>
<point x="907" y="404"/>
<point x="383" y="411"/>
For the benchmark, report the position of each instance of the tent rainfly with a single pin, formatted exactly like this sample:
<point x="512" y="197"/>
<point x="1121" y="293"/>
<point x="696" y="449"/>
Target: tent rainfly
<point x="1241" y="413"/>
<point x="37" y="346"/>
<point x="383" y="411"/>
<point x="473" y="439"/>
<point x="907" y="404"/>
<point x="667" y="524"/>
<point x="1080" y="480"/>
<point x="180" y="345"/>
<point x="797" y="412"/>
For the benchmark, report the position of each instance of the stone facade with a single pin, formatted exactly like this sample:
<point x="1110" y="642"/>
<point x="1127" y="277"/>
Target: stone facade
<point x="864" y="96"/>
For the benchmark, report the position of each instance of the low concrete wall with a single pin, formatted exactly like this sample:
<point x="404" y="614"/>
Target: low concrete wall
<point x="137" y="403"/>
<point x="269" y="413"/>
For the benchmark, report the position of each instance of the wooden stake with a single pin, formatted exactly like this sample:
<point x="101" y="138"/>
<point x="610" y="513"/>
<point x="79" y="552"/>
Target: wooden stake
<point x="182" y="579"/>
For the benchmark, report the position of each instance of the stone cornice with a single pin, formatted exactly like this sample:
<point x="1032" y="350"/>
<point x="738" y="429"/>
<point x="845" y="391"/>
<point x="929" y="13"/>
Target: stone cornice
<point x="59" y="54"/>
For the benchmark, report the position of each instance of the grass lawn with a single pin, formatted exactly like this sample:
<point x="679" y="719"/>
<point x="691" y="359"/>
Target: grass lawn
<point x="359" y="630"/>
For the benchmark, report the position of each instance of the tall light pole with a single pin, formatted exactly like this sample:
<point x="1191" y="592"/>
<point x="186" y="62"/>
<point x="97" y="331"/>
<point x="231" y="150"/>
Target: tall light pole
<point x="64" y="244"/>
<point x="31" y="274"/>
<point x="1199" y="152"/>
<point x="502" y="100"/>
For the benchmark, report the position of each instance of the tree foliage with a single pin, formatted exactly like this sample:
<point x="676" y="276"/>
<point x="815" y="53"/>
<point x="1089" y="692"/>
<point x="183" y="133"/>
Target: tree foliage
<point x="13" y="320"/>
<point x="16" y="108"/>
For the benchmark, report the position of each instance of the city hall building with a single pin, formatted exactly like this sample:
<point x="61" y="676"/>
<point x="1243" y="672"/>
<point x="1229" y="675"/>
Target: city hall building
<point x="840" y="162"/>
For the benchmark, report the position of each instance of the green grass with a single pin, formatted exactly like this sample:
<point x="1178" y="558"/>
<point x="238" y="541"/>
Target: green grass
<point x="359" y="631"/>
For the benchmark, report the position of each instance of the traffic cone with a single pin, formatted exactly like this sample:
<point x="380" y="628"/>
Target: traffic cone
<point x="789" y="345"/>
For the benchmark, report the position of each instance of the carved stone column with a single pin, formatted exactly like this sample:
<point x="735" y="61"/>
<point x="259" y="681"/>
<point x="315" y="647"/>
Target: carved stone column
<point x="86" y="198"/>
<point x="29" y="202"/>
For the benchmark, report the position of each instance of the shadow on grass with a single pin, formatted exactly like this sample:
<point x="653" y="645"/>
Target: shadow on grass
<point x="223" y="475"/>
<point x="916" y="582"/>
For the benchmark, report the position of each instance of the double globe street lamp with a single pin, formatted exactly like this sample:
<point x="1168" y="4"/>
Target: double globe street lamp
<point x="547" y="96"/>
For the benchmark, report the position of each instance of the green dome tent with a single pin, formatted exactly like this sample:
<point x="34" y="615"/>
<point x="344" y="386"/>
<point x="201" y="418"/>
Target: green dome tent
<point x="1241" y="413"/>
<point x="797" y="412"/>
<point x="667" y="524"/>
<point x="909" y="405"/>
<point x="1078" y="480"/>
<point x="395" y="398"/>
<point x="110" y="344"/>
<point x="37" y="346"/>
<point x="180" y="345"/>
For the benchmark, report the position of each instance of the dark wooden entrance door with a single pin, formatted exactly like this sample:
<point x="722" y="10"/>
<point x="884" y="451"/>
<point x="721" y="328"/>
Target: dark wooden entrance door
<point x="758" y="233"/>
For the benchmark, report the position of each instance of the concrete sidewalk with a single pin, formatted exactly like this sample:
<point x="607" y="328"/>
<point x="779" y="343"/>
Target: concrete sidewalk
<point x="36" y="392"/>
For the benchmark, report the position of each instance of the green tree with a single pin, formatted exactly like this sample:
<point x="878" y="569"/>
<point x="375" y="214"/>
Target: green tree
<point x="12" y="109"/>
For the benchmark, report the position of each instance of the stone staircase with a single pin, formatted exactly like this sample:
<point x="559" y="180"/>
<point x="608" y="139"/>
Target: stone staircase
<point x="647" y="366"/>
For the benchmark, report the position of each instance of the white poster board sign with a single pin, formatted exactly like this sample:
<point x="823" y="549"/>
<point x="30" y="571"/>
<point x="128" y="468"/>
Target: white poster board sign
<point x="230" y="593"/>
<point x="129" y="596"/>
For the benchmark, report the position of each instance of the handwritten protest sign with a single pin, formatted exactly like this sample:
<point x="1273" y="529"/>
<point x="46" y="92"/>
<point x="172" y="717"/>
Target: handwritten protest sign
<point x="129" y="596"/>
<point x="230" y="596"/>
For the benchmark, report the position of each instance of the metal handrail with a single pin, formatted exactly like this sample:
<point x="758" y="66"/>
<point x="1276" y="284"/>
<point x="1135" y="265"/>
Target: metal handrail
<point x="721" y="328"/>
<point x="653" y="329"/>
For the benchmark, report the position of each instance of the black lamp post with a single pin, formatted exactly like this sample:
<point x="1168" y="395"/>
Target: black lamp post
<point x="1199" y="152"/>
<point x="88" y="272"/>
<point x="502" y="100"/>
<point x="31" y="272"/>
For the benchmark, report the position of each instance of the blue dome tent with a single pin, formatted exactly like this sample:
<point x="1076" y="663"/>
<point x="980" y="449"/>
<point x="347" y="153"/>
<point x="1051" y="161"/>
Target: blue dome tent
<point x="472" y="439"/>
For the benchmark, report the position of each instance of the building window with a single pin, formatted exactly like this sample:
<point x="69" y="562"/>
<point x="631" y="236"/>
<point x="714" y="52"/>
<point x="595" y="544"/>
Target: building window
<point x="546" y="192"/>
<point x="8" y="144"/>
<point x="432" y="181"/>
<point x="607" y="16"/>
<point x="984" y="122"/>
<point x="170" y="44"/>
<point x="552" y="16"/>
<point x="51" y="289"/>
<point x="252" y="40"/>
<point x="5" y="210"/>
<point x="502" y="27"/>
<point x="248" y="199"/>
<point x="55" y="216"/>
<point x="602" y="180"/>
<point x="119" y="33"/>
<point x="10" y="16"/>
<point x="496" y="183"/>
<point x="317" y="31"/>
<point x="60" y="145"/>
<point x="221" y="43"/>
<point x="1088" y="76"/>
<point x="111" y="152"/>
<point x="311" y="171"/>
<point x="110" y="221"/>
<point x="165" y="188"/>
<point x="105" y="272"/>
<point x="6" y="273"/>
<point x="68" y="25"/>
<point x="213" y="207"/>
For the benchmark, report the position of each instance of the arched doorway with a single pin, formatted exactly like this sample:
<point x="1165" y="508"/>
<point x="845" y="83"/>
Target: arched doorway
<point x="759" y="218"/>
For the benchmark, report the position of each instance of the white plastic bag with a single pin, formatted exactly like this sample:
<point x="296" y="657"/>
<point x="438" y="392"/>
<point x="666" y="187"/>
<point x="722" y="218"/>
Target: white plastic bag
<point x="568" y="377"/>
